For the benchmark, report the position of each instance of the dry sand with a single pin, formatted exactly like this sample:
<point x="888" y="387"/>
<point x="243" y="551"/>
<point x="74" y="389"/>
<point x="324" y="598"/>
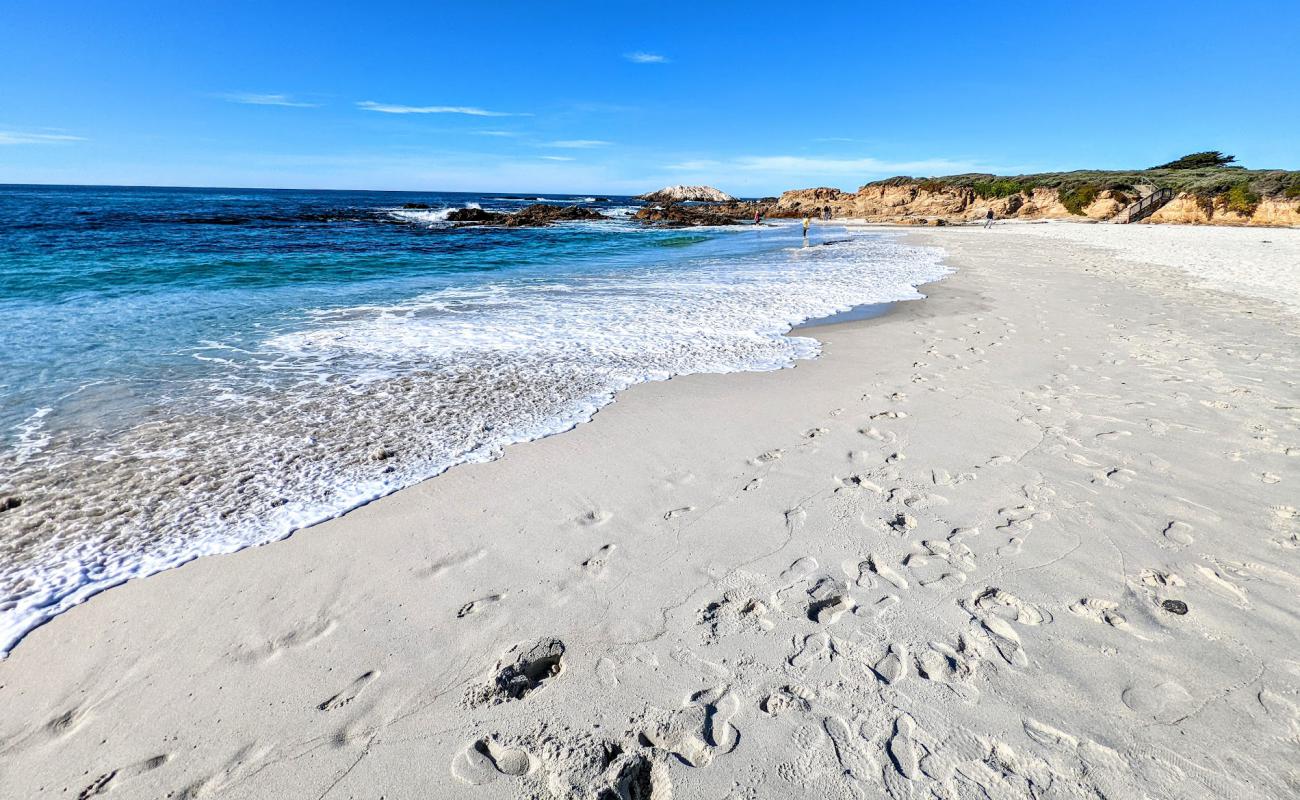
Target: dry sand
<point x="1034" y="536"/>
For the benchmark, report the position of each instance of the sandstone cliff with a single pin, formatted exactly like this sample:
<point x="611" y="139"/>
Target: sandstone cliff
<point x="924" y="201"/>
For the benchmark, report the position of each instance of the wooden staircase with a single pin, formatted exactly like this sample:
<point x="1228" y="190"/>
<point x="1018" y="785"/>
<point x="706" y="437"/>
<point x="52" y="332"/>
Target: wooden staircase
<point x="1136" y="212"/>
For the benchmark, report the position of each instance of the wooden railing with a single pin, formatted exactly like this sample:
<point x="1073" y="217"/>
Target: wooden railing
<point x="1146" y="206"/>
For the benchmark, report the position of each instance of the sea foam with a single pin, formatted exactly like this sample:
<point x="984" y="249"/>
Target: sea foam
<point x="349" y="403"/>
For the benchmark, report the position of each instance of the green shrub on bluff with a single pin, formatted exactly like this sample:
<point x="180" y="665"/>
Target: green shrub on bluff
<point x="1078" y="198"/>
<point x="1241" y="199"/>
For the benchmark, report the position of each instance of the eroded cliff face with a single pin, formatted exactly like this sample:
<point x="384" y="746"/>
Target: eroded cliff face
<point x="1189" y="210"/>
<point x="914" y="203"/>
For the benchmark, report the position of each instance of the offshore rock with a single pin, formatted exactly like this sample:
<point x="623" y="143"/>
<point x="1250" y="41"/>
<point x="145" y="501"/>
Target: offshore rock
<point x="532" y="216"/>
<point x="675" y="216"/>
<point x="686" y="194"/>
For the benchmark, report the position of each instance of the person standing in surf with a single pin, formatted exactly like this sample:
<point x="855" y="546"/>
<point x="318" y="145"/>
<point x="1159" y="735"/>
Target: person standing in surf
<point x="806" y="222"/>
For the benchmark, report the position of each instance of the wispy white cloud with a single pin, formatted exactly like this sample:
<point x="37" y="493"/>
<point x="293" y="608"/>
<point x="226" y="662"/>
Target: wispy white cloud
<point x="254" y="99"/>
<point x="23" y="137"/>
<point x="579" y="144"/>
<point x="645" y="58"/>
<point x="697" y="165"/>
<point x="557" y="158"/>
<point x="391" y="108"/>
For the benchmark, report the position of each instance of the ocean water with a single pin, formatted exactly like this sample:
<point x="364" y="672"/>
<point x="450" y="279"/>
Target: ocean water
<point x="191" y="371"/>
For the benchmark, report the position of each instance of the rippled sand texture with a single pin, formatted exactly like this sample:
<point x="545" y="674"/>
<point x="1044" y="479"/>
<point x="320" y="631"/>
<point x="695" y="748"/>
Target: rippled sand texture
<point x="1034" y="536"/>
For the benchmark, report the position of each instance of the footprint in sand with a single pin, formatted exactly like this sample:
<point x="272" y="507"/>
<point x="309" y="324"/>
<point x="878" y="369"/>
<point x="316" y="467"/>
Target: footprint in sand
<point x="882" y="605"/>
<point x="1222" y="586"/>
<point x="479" y="605"/>
<point x="525" y="668"/>
<point x="1156" y="578"/>
<point x="1180" y="533"/>
<point x="902" y="747"/>
<point x="1005" y="640"/>
<point x="952" y="666"/>
<point x="349" y="694"/>
<point x="454" y="561"/>
<point x="637" y="776"/>
<point x="884" y="437"/>
<point x="855" y="482"/>
<point x="302" y="634"/>
<point x="1118" y="477"/>
<point x="1166" y="702"/>
<point x="830" y="609"/>
<point x="1098" y="610"/>
<point x="702" y="730"/>
<point x="995" y="601"/>
<point x="594" y="518"/>
<point x="486" y="760"/>
<point x="791" y="697"/>
<point x="852" y="756"/>
<point x="799" y="569"/>
<point x="596" y="564"/>
<point x="768" y="457"/>
<point x="892" y="667"/>
<point x="816" y="648"/>
<point x="876" y="565"/>
<point x="753" y="484"/>
<point x="1012" y="547"/>
<point x="815" y="433"/>
<point x="677" y="512"/>
<point x="67" y="722"/>
<point x="108" y="781"/>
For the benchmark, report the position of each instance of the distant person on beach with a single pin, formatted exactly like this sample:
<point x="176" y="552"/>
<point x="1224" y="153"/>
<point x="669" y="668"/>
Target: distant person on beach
<point x="806" y="222"/>
<point x="826" y="213"/>
<point x="757" y="216"/>
<point x="988" y="218"/>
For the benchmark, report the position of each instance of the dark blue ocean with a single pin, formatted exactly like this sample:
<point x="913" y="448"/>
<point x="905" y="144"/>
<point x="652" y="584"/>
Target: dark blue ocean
<point x="191" y="371"/>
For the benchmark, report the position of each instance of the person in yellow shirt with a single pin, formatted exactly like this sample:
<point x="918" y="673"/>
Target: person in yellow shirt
<point x="806" y="222"/>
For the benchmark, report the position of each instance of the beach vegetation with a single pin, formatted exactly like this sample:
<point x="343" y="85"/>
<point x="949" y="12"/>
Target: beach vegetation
<point x="1241" y="199"/>
<point x="1211" y="182"/>
<point x="1077" y="198"/>
<point x="1207" y="158"/>
<point x="1001" y="187"/>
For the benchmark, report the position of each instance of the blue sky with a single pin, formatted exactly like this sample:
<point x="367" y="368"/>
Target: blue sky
<point x="616" y="97"/>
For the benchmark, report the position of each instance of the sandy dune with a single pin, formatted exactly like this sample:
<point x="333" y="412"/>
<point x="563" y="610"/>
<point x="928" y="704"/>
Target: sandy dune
<point x="1035" y="536"/>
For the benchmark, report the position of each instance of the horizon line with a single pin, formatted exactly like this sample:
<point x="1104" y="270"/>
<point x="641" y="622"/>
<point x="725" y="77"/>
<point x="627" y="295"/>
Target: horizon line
<point x="314" y="189"/>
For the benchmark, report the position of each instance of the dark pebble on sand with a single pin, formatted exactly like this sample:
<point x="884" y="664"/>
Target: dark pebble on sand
<point x="1174" y="607"/>
<point x="9" y="503"/>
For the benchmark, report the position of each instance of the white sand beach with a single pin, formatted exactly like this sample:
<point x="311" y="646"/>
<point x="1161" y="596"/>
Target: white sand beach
<point x="1033" y="536"/>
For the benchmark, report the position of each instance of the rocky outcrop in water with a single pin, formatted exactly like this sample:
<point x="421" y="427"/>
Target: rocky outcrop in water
<point x="686" y="194"/>
<point x="530" y="217"/>
<point x="676" y="216"/>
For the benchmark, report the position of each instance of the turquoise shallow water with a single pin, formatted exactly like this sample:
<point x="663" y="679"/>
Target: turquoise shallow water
<point x="190" y="371"/>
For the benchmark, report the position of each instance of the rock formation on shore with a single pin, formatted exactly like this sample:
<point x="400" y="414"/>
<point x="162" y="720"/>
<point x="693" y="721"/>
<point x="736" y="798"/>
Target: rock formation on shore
<point x="685" y="194"/>
<point x="532" y="216"/>
<point x="1213" y="196"/>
